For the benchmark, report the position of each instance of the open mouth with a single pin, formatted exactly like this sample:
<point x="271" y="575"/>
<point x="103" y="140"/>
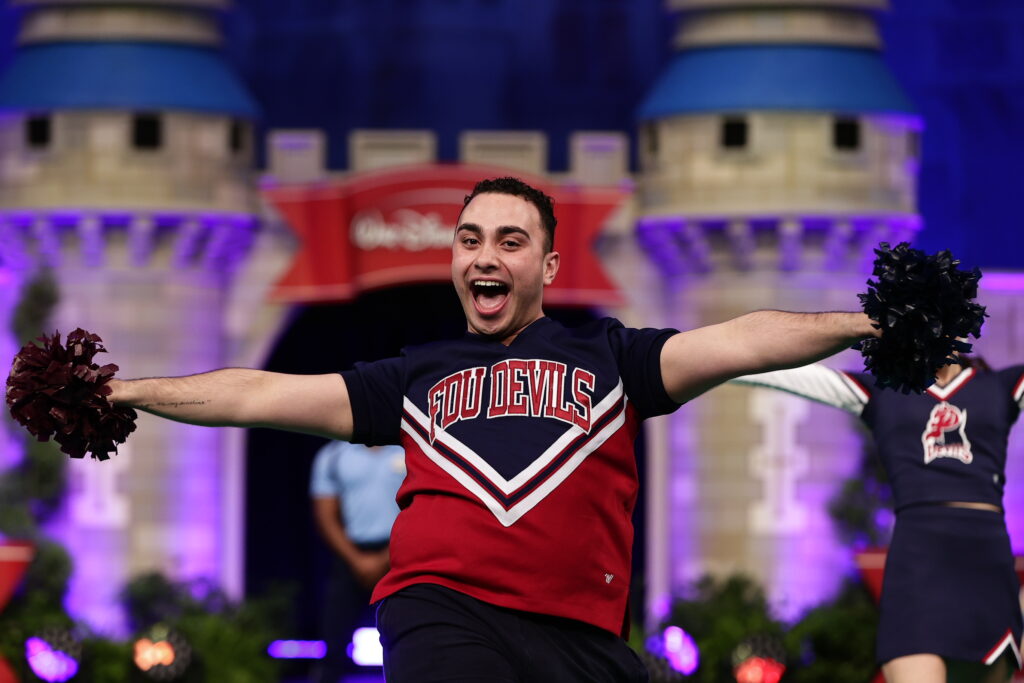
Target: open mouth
<point x="489" y="295"/>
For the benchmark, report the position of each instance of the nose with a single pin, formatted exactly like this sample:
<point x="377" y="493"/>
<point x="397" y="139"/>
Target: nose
<point x="486" y="257"/>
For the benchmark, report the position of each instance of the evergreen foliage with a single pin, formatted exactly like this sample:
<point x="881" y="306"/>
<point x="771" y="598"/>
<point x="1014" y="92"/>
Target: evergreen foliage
<point x="721" y="615"/>
<point x="229" y="640"/>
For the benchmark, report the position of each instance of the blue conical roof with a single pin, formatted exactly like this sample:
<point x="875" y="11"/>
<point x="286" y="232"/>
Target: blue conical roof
<point x="776" y="77"/>
<point x="123" y="75"/>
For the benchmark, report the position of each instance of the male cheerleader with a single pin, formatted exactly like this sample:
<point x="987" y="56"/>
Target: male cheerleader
<point x="510" y="557"/>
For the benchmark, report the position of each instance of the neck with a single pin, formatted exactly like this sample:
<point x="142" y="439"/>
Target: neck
<point x="947" y="372"/>
<point x="509" y="337"/>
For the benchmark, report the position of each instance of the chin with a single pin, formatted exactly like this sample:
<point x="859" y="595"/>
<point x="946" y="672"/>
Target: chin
<point x="487" y="330"/>
<point x="490" y="328"/>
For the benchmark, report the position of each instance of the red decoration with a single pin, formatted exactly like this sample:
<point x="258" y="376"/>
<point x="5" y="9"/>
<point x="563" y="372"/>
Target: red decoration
<point x="14" y="560"/>
<point x="871" y="563"/>
<point x="395" y="226"/>
<point x="6" y="673"/>
<point x="759" y="670"/>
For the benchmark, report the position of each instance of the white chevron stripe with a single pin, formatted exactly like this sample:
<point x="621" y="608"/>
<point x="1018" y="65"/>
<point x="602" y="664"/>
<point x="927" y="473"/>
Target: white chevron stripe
<point x="942" y="393"/>
<point x="1018" y="391"/>
<point x="513" y="514"/>
<point x="1000" y="648"/>
<point x="508" y="486"/>
<point x="854" y="387"/>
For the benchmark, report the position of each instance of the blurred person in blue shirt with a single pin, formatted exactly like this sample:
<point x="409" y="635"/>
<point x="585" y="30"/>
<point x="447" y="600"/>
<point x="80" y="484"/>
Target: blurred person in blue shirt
<point x="353" y="489"/>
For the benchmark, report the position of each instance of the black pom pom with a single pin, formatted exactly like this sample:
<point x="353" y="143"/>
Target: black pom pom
<point x="57" y="391"/>
<point x="922" y="304"/>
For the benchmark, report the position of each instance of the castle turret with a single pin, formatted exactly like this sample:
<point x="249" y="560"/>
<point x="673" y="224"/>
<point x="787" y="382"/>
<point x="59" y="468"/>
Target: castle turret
<point x="776" y="151"/>
<point x="126" y="165"/>
<point x="778" y="111"/>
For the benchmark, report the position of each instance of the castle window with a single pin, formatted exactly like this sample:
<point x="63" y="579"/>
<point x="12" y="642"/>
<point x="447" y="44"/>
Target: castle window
<point x="734" y="132"/>
<point x="38" y="131"/>
<point x="147" y="131"/>
<point x="649" y="135"/>
<point x="237" y="136"/>
<point x="846" y="134"/>
<point x="914" y="144"/>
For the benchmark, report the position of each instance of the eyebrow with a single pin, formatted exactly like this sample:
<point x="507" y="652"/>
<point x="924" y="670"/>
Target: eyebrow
<point x="502" y="229"/>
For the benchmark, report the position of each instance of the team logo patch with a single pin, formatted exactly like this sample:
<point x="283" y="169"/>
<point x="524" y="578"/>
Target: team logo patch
<point x="587" y="428"/>
<point x="945" y="435"/>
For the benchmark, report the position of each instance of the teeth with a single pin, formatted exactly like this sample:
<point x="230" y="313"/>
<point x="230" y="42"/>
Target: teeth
<point x="487" y="283"/>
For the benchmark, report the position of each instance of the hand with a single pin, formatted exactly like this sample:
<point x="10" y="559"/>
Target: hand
<point x="116" y="390"/>
<point x="370" y="567"/>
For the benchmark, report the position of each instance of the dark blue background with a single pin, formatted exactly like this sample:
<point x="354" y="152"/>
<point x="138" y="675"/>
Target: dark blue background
<point x="564" y="65"/>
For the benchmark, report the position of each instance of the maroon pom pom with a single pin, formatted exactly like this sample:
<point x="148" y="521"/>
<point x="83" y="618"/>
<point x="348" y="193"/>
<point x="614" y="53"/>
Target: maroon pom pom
<point x="57" y="391"/>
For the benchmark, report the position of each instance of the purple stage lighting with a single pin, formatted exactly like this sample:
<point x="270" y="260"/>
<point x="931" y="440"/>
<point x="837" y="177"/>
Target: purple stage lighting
<point x="297" y="649"/>
<point x="48" y="663"/>
<point x="680" y="650"/>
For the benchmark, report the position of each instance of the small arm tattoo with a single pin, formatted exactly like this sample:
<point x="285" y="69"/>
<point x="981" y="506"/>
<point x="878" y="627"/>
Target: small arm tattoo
<point x="172" y="404"/>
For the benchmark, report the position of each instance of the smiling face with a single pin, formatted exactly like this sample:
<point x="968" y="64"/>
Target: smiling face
<point x="499" y="265"/>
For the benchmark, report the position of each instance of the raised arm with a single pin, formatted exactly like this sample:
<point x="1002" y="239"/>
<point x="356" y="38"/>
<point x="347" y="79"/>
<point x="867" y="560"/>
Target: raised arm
<point x="696" y="360"/>
<point x="238" y="397"/>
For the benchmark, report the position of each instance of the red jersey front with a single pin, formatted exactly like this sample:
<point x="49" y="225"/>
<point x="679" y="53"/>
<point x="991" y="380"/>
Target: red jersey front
<point x="521" y="471"/>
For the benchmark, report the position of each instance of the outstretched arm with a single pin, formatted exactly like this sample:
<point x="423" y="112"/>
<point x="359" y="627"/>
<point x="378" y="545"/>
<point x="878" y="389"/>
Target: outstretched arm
<point x="696" y="360"/>
<point x="238" y="397"/>
<point x="816" y="383"/>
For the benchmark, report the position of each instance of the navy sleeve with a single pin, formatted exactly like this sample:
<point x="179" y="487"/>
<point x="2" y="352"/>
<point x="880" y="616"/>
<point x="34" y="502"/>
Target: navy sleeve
<point x="375" y="392"/>
<point x="638" y="352"/>
<point x="1013" y="378"/>
<point x="865" y="381"/>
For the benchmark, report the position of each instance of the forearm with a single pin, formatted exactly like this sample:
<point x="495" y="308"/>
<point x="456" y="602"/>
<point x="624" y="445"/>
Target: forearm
<point x="775" y="340"/>
<point x="696" y="360"/>
<point x="213" y="398"/>
<point x="241" y="397"/>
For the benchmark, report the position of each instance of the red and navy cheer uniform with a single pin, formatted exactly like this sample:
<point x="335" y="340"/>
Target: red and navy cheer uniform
<point x="521" y="473"/>
<point x="949" y="587"/>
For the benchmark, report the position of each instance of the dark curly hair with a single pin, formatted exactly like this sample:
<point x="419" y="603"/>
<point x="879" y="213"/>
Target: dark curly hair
<point x="517" y="188"/>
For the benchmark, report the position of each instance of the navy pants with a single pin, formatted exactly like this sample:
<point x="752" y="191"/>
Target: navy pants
<point x="432" y="634"/>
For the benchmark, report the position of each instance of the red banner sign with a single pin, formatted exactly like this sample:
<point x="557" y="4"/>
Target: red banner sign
<point x="395" y="227"/>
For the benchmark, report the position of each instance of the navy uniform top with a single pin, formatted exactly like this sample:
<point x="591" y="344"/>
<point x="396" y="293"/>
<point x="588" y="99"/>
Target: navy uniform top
<point x="946" y="444"/>
<point x="521" y="470"/>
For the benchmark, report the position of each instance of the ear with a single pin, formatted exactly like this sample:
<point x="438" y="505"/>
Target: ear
<point x="551" y="260"/>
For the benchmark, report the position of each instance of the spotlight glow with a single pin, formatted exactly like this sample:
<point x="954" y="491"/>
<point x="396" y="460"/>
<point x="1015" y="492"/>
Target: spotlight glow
<point x="365" y="649"/>
<point x="48" y="663"/>
<point x="759" y="670"/>
<point x="297" y="649"/>
<point x="680" y="650"/>
<point x="161" y="653"/>
<point x="149" y="654"/>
